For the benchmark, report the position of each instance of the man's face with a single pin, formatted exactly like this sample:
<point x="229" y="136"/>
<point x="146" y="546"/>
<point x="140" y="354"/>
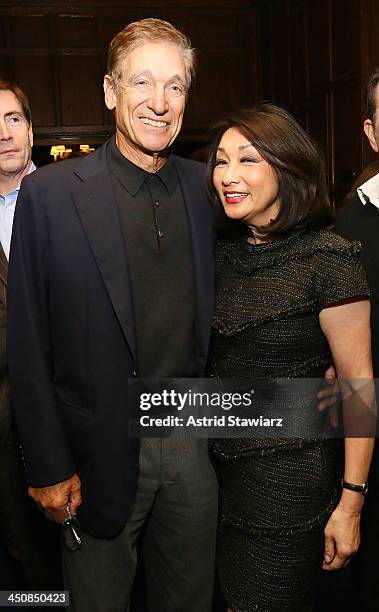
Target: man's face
<point x="16" y="136"/>
<point x="372" y="128"/>
<point x="150" y="100"/>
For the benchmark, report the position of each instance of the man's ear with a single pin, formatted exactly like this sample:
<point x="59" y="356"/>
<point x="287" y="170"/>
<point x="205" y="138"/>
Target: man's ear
<point x="30" y="130"/>
<point x="109" y="93"/>
<point x="370" y="133"/>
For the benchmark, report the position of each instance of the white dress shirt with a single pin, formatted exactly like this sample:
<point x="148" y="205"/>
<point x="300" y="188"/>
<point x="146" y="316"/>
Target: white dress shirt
<point x="369" y="191"/>
<point x="7" y="208"/>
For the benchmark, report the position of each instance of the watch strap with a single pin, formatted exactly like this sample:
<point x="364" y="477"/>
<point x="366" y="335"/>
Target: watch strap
<point x="358" y="488"/>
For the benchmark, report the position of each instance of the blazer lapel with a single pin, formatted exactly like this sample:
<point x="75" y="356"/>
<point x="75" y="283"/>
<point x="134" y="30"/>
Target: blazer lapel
<point x="96" y="205"/>
<point x="3" y="267"/>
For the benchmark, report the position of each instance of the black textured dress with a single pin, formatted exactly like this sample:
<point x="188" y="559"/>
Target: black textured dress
<point x="277" y="495"/>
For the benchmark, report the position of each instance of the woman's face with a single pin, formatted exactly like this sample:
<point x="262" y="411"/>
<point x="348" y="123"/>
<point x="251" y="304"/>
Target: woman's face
<point x="246" y="184"/>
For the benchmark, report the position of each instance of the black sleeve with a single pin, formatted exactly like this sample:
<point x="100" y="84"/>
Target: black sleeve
<point x="339" y="275"/>
<point x="47" y="455"/>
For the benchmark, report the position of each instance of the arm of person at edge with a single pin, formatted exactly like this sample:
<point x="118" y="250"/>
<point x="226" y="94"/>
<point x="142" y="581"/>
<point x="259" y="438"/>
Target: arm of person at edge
<point x="347" y="329"/>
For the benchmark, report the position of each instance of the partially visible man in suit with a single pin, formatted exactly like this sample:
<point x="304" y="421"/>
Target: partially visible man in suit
<point x="23" y="532"/>
<point x="112" y="276"/>
<point x="358" y="219"/>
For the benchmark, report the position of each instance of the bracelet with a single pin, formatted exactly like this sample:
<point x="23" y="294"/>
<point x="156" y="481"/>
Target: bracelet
<point x="358" y="488"/>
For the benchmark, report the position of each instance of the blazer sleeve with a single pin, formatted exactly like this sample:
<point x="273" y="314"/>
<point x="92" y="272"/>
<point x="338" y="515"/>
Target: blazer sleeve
<point x="47" y="455"/>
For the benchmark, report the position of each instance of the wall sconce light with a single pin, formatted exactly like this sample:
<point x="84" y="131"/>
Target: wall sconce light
<point x="86" y="148"/>
<point x="60" y="151"/>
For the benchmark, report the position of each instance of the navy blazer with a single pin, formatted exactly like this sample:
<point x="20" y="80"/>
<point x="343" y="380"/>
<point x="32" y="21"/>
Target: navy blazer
<point x="71" y="330"/>
<point x="5" y="398"/>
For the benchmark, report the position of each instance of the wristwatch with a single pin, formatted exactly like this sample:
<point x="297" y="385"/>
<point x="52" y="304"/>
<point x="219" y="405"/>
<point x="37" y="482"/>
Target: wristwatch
<point x="358" y="488"/>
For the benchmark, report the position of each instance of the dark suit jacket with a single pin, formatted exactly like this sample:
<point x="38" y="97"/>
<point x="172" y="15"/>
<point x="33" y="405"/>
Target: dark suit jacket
<point x="5" y="403"/>
<point x="71" y="329"/>
<point x="356" y="221"/>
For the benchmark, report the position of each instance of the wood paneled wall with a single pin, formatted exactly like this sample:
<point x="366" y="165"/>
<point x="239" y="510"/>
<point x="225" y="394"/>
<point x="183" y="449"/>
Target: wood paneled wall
<point x="315" y="60"/>
<point x="56" y="51"/>
<point x="312" y="57"/>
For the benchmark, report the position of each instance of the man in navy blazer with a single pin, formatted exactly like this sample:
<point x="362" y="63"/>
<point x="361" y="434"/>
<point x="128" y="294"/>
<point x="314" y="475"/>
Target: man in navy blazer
<point x="111" y="277"/>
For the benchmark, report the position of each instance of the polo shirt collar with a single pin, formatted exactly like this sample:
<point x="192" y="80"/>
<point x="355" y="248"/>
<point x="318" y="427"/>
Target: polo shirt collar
<point x="132" y="177"/>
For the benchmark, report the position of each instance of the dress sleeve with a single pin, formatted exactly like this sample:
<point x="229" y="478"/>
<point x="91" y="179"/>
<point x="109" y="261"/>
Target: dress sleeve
<point x="339" y="273"/>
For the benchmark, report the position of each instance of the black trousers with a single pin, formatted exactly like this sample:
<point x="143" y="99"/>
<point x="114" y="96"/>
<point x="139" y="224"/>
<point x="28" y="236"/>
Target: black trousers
<point x="176" y="508"/>
<point x="23" y="528"/>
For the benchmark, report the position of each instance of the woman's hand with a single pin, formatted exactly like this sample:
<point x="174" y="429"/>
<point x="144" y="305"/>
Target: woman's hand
<point x="342" y="537"/>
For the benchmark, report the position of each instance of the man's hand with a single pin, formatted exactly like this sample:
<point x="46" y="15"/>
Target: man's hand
<point x="329" y="395"/>
<point x="55" y="498"/>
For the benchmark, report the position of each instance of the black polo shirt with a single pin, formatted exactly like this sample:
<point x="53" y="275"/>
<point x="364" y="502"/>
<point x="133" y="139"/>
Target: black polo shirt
<point x="159" y="255"/>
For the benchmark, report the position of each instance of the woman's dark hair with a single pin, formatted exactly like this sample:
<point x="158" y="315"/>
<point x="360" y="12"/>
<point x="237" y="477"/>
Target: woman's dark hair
<point x="296" y="160"/>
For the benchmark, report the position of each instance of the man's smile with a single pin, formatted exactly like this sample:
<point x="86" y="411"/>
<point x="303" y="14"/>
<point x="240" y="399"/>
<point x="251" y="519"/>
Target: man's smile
<point x="153" y="122"/>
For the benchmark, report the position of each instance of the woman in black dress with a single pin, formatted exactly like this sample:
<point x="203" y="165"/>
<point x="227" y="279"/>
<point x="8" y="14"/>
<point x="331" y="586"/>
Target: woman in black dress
<point x="291" y="298"/>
